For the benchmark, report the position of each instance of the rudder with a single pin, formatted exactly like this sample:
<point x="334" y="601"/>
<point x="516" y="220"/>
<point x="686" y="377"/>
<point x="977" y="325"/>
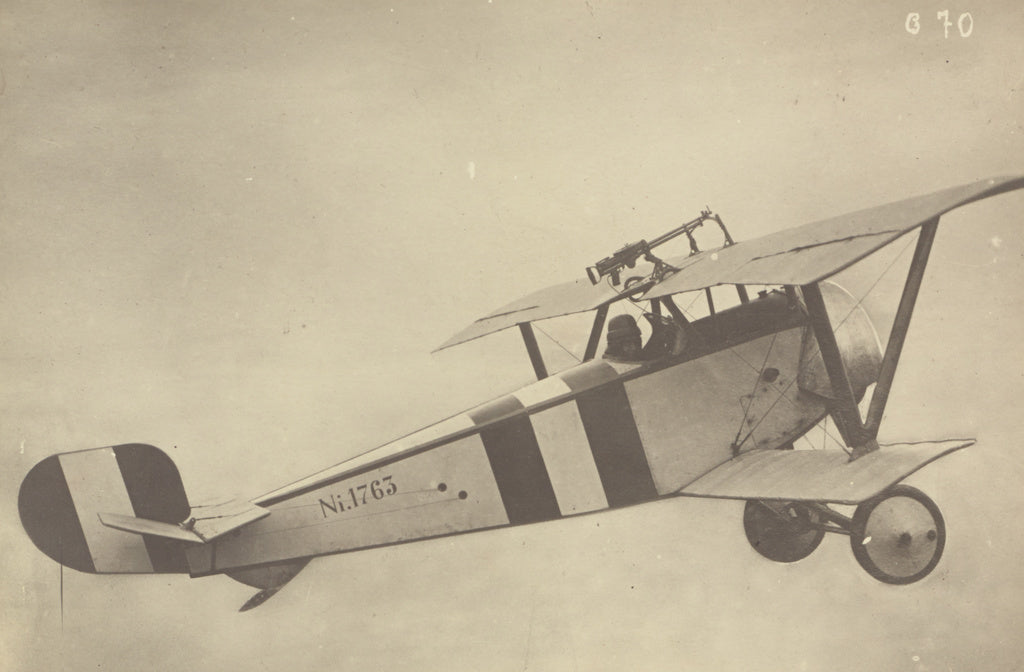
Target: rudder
<point x="61" y="497"/>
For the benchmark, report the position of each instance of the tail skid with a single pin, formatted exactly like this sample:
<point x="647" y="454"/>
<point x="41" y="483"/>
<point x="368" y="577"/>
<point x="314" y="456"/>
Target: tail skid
<point x="270" y="578"/>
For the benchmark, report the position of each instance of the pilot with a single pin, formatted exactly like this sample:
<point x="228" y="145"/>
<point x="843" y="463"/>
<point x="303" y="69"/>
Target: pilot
<point x="624" y="340"/>
<point x="625" y="343"/>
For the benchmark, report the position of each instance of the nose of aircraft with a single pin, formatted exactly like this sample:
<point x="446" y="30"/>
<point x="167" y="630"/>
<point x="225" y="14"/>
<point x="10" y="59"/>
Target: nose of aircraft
<point x="858" y="343"/>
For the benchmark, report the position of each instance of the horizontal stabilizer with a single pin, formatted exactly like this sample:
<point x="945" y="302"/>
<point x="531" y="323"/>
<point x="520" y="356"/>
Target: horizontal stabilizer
<point x="818" y="475"/>
<point x="145" y="526"/>
<point x="210" y="522"/>
<point x="206" y="523"/>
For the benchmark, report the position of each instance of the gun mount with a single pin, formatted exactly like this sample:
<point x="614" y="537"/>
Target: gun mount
<point x="630" y="254"/>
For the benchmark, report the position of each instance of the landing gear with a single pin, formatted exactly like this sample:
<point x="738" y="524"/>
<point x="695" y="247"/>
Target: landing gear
<point x="782" y="531"/>
<point x="897" y="536"/>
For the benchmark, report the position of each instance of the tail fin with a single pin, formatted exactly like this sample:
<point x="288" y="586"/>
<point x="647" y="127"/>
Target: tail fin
<point x="62" y="496"/>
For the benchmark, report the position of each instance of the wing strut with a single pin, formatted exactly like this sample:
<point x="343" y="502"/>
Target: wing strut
<point x="526" y="329"/>
<point x="846" y="413"/>
<point x="860" y="435"/>
<point x="741" y="291"/>
<point x="692" y="335"/>
<point x="898" y="334"/>
<point x="595" y="333"/>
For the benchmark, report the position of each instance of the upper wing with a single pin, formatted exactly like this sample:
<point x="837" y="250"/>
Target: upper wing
<point x="795" y="256"/>
<point x="816" y="251"/>
<point x="564" y="299"/>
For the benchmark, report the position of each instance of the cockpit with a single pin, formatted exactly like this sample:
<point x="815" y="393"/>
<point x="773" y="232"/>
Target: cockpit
<point x="625" y="339"/>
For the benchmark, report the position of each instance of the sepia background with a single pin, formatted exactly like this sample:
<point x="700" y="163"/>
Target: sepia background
<point x="237" y="230"/>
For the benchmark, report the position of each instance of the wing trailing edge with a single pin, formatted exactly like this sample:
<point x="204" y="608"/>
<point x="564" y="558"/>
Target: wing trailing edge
<point x="565" y="299"/>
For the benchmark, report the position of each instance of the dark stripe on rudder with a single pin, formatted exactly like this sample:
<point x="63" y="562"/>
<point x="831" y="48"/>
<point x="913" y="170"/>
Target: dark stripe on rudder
<point x="616" y="446"/>
<point x="519" y="470"/>
<point x="49" y="517"/>
<point x="156" y="493"/>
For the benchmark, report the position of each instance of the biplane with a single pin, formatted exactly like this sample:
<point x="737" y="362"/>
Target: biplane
<point x="708" y="407"/>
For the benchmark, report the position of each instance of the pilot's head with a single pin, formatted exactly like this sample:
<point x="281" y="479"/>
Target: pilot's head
<point x="623" y="338"/>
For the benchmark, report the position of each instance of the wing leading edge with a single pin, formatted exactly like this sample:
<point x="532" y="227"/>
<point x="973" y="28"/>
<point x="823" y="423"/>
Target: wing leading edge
<point x="816" y="251"/>
<point x="797" y="256"/>
<point x="818" y="475"/>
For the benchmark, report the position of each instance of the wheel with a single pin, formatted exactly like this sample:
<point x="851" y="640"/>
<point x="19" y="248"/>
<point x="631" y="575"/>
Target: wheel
<point x="898" y="536"/>
<point x="782" y="531"/>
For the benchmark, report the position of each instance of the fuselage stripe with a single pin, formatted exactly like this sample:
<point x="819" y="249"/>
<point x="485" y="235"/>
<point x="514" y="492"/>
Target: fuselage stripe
<point x="616" y="445"/>
<point x="496" y="409"/>
<point x="568" y="459"/>
<point x="519" y="470"/>
<point x="589" y="375"/>
<point x="543" y="391"/>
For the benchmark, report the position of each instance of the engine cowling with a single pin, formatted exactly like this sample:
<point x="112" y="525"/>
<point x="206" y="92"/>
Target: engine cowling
<point x="858" y="345"/>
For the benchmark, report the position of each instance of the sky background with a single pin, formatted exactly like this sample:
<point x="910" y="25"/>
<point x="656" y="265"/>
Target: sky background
<point x="237" y="230"/>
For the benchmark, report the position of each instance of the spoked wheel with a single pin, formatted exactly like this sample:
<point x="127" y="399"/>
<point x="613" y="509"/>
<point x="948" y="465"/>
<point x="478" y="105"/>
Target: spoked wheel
<point x="782" y="531"/>
<point x="898" y="536"/>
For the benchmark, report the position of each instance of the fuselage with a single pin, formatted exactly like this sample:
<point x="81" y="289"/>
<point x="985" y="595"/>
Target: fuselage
<point x="599" y="435"/>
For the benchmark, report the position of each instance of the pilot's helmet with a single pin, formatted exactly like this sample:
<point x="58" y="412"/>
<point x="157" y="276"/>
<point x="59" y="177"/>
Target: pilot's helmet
<point x="621" y="329"/>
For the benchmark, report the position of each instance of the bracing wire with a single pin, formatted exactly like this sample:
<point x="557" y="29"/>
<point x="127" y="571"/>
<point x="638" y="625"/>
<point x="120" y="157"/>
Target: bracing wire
<point x="870" y="289"/>
<point x="556" y="342"/>
<point x="856" y="305"/>
<point x="750" y="401"/>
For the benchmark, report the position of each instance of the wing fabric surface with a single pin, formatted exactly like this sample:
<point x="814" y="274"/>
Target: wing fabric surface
<point x="795" y="256"/>
<point x="564" y="299"/>
<point x="816" y="251"/>
<point x="818" y="475"/>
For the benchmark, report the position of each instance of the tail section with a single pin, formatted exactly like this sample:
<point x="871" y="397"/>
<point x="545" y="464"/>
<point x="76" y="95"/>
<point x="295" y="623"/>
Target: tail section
<point x="123" y="510"/>
<point x="62" y="497"/>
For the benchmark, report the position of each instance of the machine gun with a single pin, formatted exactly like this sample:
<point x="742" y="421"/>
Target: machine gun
<point x="627" y="257"/>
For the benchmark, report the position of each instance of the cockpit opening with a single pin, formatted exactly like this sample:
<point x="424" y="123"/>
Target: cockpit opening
<point x="625" y="340"/>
